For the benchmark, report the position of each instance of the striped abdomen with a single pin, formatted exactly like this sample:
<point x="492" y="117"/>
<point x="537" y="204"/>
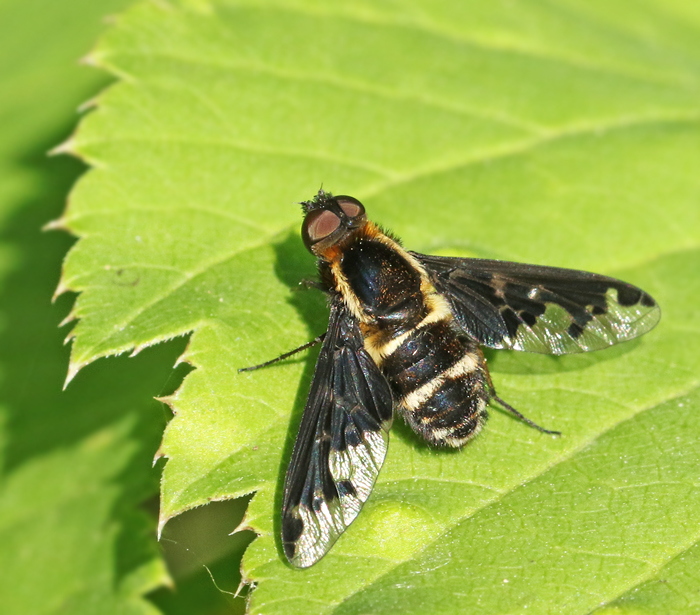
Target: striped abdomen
<point x="436" y="373"/>
<point x="438" y="383"/>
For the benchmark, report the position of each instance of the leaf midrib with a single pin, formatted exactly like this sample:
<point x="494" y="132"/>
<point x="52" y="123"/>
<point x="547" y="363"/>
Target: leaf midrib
<point x="644" y="122"/>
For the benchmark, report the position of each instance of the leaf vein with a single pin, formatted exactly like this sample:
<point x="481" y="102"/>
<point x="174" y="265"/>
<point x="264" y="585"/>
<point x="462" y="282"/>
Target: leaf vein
<point x="524" y="147"/>
<point x="353" y="85"/>
<point x="541" y="471"/>
<point x="434" y="29"/>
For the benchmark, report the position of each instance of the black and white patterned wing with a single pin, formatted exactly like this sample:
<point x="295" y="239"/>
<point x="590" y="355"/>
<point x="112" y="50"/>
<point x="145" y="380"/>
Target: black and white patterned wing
<point x="540" y="309"/>
<point x="341" y="444"/>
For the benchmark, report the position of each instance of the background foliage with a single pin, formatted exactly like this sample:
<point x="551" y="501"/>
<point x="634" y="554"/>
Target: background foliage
<point x="559" y="134"/>
<point x="78" y="497"/>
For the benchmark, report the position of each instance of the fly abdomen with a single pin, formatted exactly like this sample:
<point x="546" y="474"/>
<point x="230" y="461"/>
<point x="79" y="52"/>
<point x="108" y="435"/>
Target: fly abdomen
<point x="454" y="413"/>
<point x="438" y="382"/>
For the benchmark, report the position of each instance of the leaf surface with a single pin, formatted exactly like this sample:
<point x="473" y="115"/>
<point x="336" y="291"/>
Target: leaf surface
<point x="555" y="134"/>
<point x="74" y="466"/>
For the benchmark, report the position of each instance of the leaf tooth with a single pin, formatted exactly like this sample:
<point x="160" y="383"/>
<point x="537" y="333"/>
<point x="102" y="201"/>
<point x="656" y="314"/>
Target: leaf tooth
<point x="243" y="525"/>
<point x="91" y="58"/>
<point x="90" y="103"/>
<point x="73" y="367"/>
<point x="159" y="455"/>
<point x="69" y="146"/>
<point x="59" y="224"/>
<point x="67" y="320"/>
<point x="168" y="400"/>
<point x="183" y="358"/>
<point x="60" y="289"/>
<point x="138" y="348"/>
<point x="244" y="583"/>
<point x="162" y="520"/>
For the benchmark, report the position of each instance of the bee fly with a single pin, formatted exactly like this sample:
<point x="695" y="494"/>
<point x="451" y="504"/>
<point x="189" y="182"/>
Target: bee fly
<point x="404" y="336"/>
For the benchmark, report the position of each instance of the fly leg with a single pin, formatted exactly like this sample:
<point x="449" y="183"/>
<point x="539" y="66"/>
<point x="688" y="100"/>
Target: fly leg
<point x="507" y="406"/>
<point x="286" y="355"/>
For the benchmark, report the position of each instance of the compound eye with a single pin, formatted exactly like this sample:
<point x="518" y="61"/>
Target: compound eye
<point x="352" y="208"/>
<point x="321" y="225"/>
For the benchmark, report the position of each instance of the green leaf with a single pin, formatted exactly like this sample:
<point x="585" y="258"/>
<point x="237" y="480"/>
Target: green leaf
<point x="74" y="466"/>
<point x="557" y="134"/>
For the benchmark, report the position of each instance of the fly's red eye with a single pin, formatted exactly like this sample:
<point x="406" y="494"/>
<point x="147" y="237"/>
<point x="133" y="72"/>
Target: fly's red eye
<point x="322" y="225"/>
<point x="331" y="220"/>
<point x="350" y="208"/>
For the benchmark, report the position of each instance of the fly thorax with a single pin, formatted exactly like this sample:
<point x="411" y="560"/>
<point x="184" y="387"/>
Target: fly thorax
<point x="385" y="286"/>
